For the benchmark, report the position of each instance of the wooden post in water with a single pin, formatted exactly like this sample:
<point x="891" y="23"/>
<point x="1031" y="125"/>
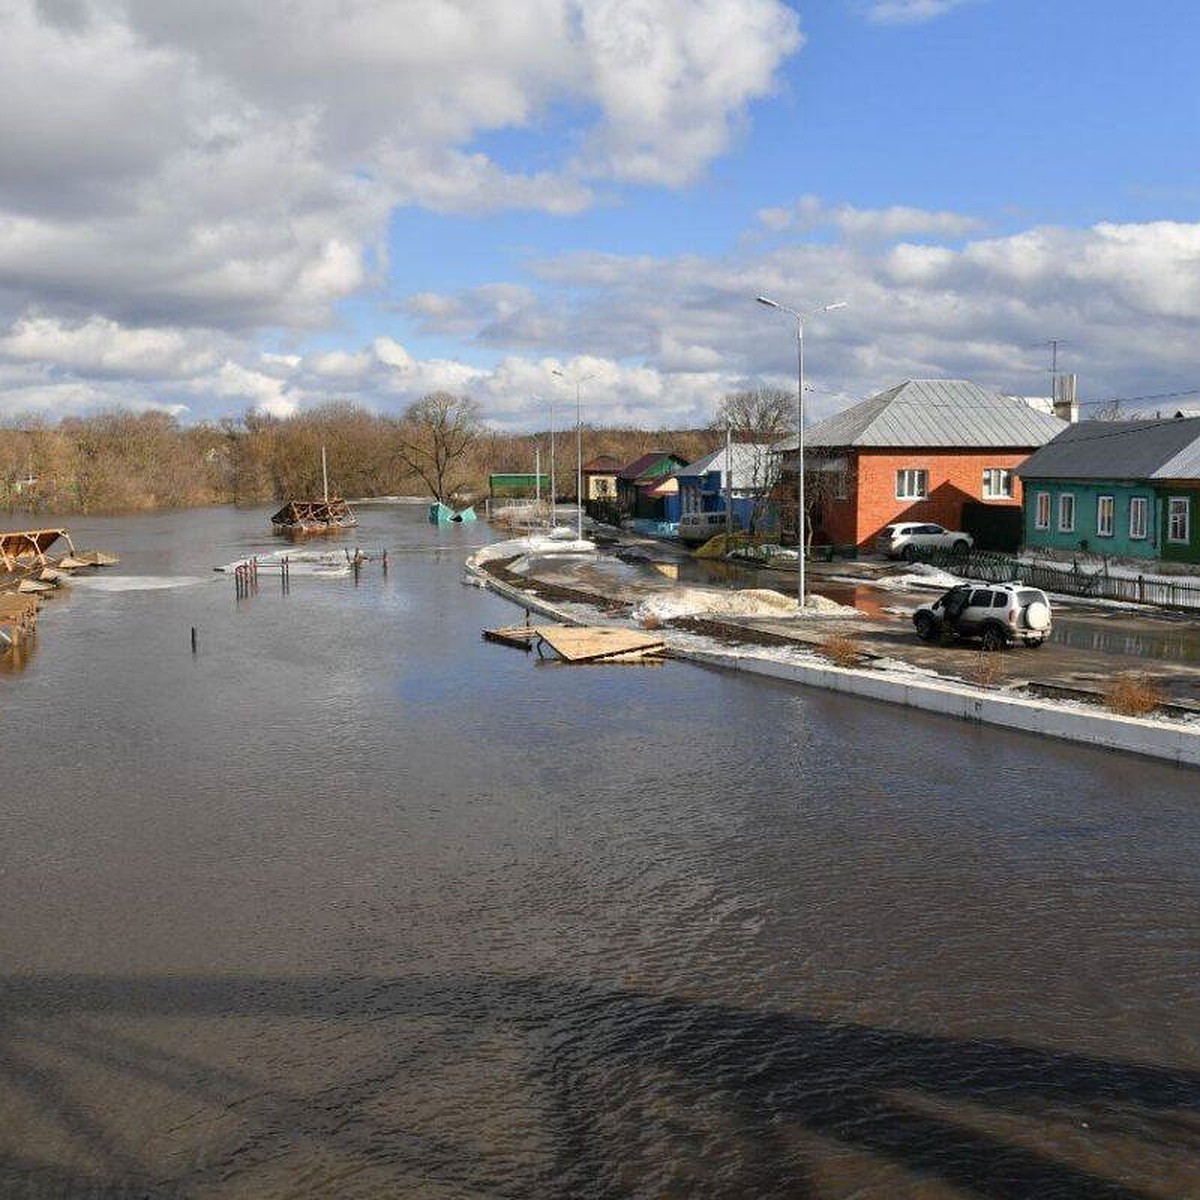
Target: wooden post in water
<point x="193" y="639"/>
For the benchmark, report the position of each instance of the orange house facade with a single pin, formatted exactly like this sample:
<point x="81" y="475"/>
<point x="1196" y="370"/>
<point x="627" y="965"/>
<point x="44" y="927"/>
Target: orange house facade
<point x="883" y="486"/>
<point x="919" y="451"/>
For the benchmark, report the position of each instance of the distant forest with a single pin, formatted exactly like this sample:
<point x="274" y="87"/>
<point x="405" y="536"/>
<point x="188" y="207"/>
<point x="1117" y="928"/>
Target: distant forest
<point x="121" y="461"/>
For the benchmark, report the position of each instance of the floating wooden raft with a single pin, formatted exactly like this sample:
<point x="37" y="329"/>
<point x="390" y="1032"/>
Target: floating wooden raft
<point x="601" y="643"/>
<point x="520" y="636"/>
<point x="583" y="643"/>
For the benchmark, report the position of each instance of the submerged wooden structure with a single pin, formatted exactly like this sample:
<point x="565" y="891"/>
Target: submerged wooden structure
<point x="314" y="516"/>
<point x="21" y="548"/>
<point x="584" y="643"/>
<point x="327" y="515"/>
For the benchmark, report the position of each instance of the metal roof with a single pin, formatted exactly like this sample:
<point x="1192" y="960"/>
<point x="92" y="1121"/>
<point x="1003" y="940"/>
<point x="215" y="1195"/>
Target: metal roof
<point x="931" y="413"/>
<point x="639" y="466"/>
<point x="1160" y="449"/>
<point x="749" y="462"/>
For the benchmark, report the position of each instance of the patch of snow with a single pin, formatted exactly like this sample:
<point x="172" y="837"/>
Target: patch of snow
<point x="134" y="583"/>
<point x="538" y="543"/>
<point x="748" y="602"/>
<point x="921" y="575"/>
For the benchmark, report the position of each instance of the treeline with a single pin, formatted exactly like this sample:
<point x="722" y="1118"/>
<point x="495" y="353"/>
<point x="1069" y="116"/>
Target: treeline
<point x="122" y="461"/>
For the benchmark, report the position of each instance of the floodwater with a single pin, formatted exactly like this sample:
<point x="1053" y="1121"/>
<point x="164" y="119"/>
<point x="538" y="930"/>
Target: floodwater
<point x="353" y="904"/>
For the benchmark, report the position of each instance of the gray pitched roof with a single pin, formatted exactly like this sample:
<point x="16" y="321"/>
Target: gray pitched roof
<point x="931" y="413"/>
<point x="749" y="462"/>
<point x="1166" y="449"/>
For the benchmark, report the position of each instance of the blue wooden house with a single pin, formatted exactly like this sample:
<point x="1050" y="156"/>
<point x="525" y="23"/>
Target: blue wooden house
<point x="740" y="475"/>
<point x="1125" y="489"/>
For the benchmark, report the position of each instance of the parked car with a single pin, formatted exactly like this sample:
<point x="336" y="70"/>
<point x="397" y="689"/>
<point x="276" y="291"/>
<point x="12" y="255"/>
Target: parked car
<point x="1000" y="614"/>
<point x="906" y="538"/>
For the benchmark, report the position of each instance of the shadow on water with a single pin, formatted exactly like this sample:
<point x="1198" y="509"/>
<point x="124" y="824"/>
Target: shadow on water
<point x="635" y="1094"/>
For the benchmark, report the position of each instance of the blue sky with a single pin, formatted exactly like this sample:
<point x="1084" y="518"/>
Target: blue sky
<point x="213" y="209"/>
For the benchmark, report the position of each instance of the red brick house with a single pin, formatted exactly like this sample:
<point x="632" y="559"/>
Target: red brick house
<point x="916" y="452"/>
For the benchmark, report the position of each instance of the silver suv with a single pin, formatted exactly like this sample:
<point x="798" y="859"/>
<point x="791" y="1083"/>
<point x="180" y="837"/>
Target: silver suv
<point x="906" y="539"/>
<point x="1000" y="614"/>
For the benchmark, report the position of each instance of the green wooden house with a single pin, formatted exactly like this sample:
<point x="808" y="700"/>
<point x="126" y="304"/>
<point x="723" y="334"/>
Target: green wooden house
<point x="1123" y="489"/>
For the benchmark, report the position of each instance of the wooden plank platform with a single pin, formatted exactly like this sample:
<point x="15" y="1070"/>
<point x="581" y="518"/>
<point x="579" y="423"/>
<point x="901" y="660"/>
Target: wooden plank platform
<point x="600" y="643"/>
<point x="520" y="636"/>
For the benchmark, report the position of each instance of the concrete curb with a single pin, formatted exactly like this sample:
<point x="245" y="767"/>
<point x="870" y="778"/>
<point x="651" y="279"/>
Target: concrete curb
<point x="1103" y="730"/>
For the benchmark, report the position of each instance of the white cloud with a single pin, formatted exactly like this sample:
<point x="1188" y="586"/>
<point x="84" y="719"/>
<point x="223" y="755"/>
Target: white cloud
<point x="666" y="337"/>
<point x="99" y="346"/>
<point x="867" y="224"/>
<point x="910" y="12"/>
<point x="171" y="169"/>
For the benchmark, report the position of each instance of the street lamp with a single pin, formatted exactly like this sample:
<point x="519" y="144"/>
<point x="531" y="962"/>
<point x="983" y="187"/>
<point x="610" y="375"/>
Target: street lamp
<point x="822" y="308"/>
<point x="553" y="512"/>
<point x="577" y="380"/>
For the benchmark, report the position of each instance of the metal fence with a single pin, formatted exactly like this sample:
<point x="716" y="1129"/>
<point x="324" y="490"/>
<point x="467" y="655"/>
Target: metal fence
<point x="1072" y="580"/>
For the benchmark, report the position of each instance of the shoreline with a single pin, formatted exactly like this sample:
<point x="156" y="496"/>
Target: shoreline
<point x="1162" y="739"/>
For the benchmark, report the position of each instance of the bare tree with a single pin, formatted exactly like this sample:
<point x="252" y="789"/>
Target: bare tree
<point x="435" y="433"/>
<point x="761" y="414"/>
<point x="759" y="417"/>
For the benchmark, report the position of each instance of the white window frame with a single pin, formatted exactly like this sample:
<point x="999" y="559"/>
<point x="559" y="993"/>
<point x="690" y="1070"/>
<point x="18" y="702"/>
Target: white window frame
<point x="1063" y="525"/>
<point x="1101" y="531"/>
<point x="1139" y="508"/>
<point x="1179" y="505"/>
<point x="1041" y="502"/>
<point x="912" y="483"/>
<point x="993" y="476"/>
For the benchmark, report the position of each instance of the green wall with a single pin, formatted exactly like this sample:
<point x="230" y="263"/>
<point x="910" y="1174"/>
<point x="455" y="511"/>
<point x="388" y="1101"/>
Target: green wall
<point x="1087" y="496"/>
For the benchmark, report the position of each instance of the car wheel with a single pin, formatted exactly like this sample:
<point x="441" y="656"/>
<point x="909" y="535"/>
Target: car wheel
<point x="959" y="548"/>
<point x="910" y="553"/>
<point x="994" y="638"/>
<point x="926" y="627"/>
<point x="1036" y="645"/>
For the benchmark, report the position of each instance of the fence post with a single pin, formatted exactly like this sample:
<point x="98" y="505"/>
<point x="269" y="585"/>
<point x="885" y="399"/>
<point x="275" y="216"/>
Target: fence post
<point x="1141" y="582"/>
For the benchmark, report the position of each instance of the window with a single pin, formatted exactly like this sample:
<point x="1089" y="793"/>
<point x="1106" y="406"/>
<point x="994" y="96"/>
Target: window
<point x="1179" y="519"/>
<point x="1106" y="508"/>
<point x="912" y="484"/>
<point x="997" y="483"/>
<point x="981" y="599"/>
<point x="1041" y="516"/>
<point x="1066" y="513"/>
<point x="1138" y="506"/>
<point x="841" y="484"/>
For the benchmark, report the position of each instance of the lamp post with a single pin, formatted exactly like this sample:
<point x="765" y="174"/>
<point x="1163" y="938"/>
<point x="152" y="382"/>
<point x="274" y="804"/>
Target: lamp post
<point x="821" y="308"/>
<point x="553" y="512"/>
<point x="578" y="381"/>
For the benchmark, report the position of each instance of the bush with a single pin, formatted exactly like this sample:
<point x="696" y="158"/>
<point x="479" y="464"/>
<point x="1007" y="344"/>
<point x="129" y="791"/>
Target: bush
<point x="841" y="650"/>
<point x="986" y="671"/>
<point x="1133" y="695"/>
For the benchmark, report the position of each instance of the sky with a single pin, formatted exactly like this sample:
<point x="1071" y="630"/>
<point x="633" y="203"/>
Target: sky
<point x="213" y="206"/>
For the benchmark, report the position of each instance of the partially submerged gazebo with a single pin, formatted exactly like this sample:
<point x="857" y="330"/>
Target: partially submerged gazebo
<point x="314" y="516"/>
<point x="22" y="547"/>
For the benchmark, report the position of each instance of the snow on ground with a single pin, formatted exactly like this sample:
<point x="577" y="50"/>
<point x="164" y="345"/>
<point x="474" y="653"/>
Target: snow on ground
<point x="1111" y="569"/>
<point x="918" y="575"/>
<point x="534" y="544"/>
<point x="749" y="602"/>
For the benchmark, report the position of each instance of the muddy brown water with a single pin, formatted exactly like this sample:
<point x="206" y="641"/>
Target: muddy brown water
<point x="353" y="904"/>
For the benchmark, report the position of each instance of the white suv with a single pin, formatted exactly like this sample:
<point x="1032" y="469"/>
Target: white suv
<point x="906" y="538"/>
<point x="1000" y="614"/>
